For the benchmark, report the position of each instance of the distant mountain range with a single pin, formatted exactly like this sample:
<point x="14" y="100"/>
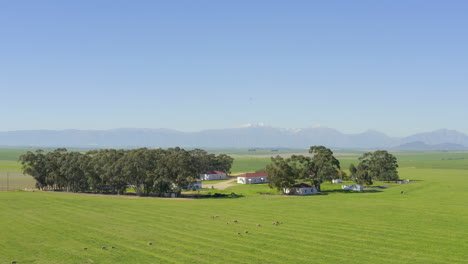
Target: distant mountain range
<point x="419" y="145"/>
<point x="252" y="136"/>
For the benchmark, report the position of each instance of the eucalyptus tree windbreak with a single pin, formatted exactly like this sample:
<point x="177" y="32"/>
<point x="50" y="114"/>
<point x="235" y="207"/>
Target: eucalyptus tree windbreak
<point x="55" y="177"/>
<point x="204" y="161"/>
<point x="149" y="171"/>
<point x="34" y="164"/>
<point x="91" y="173"/>
<point x="71" y="168"/>
<point x="180" y="168"/>
<point x="105" y="164"/>
<point x="326" y="166"/>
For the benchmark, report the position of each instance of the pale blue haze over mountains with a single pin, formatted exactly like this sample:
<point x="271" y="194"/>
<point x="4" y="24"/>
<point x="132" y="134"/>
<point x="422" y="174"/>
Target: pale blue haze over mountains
<point x="243" y="137"/>
<point x="400" y="67"/>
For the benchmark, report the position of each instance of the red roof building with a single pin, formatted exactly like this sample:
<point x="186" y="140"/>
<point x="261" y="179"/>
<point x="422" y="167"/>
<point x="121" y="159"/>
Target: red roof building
<point x="252" y="178"/>
<point x="213" y="175"/>
<point x="254" y="174"/>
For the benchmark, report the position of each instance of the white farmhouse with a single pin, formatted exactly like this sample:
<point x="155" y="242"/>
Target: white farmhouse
<point x="337" y="181"/>
<point x="300" y="189"/>
<point x="251" y="178"/>
<point x="353" y="187"/>
<point x="213" y="175"/>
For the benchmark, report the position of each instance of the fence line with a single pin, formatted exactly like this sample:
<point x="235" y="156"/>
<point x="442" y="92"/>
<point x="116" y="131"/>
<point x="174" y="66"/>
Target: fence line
<point x="14" y="181"/>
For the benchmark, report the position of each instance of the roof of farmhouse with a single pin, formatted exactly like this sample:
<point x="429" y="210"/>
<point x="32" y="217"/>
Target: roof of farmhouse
<point x="302" y="185"/>
<point x="214" y="172"/>
<point x="252" y="175"/>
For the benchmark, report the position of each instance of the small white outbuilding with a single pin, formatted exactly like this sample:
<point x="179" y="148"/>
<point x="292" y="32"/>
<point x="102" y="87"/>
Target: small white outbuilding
<point x="353" y="187"/>
<point x="402" y="181"/>
<point x="337" y="181"/>
<point x="213" y="175"/>
<point x="300" y="189"/>
<point x="194" y="186"/>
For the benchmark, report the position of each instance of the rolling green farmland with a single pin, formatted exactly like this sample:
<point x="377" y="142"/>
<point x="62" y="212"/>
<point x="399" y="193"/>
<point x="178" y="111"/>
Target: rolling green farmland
<point x="9" y="166"/>
<point x="426" y="225"/>
<point x="9" y="160"/>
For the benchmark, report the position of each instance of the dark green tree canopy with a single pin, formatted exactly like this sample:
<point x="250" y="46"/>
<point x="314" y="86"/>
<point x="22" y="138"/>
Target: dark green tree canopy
<point x="148" y="171"/>
<point x="326" y="166"/>
<point x="377" y="165"/>
<point x="322" y="166"/>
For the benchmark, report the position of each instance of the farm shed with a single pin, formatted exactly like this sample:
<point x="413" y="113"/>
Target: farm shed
<point x="252" y="178"/>
<point x="337" y="181"/>
<point x="353" y="187"/>
<point x="300" y="189"/>
<point x="213" y="175"/>
<point x="402" y="181"/>
<point x="194" y="186"/>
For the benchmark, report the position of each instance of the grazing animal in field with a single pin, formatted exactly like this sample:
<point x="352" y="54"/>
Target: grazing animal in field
<point x="113" y="247"/>
<point x="246" y="232"/>
<point x="85" y="248"/>
<point x="235" y="221"/>
<point x="103" y="248"/>
<point x="239" y="233"/>
<point x="259" y="225"/>
<point x="150" y="243"/>
<point x="227" y="223"/>
<point x="14" y="261"/>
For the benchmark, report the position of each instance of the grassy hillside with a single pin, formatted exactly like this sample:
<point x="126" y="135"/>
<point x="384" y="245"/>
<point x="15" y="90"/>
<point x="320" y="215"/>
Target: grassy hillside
<point x="427" y="225"/>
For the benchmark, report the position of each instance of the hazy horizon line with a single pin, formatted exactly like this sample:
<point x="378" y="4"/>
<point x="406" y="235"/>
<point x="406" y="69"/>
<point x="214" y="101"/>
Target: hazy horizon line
<point x="235" y="127"/>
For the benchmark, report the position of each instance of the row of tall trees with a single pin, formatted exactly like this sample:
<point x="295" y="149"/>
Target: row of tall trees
<point x="322" y="166"/>
<point x="378" y="165"/>
<point x="149" y="171"/>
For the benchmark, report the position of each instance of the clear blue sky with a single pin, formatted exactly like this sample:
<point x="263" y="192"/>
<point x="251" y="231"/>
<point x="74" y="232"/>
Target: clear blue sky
<point x="399" y="67"/>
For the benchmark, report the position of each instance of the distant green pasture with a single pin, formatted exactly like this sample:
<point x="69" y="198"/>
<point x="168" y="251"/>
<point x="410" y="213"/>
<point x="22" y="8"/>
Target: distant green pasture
<point x="249" y="164"/>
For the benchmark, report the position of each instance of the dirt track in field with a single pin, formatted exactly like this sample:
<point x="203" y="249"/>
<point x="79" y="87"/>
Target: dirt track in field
<point x="220" y="185"/>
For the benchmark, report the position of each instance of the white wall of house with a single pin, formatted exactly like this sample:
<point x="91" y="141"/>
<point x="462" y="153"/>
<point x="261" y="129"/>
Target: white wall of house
<point x="402" y="181"/>
<point x="337" y="181"/>
<point x="353" y="187"/>
<point x="251" y="180"/>
<point x="300" y="191"/>
<point x="212" y="177"/>
<point x="194" y="186"/>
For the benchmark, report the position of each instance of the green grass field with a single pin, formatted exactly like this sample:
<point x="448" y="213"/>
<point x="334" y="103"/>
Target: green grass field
<point x="429" y="224"/>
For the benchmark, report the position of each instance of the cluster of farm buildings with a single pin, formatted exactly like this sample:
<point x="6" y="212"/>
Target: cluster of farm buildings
<point x="262" y="177"/>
